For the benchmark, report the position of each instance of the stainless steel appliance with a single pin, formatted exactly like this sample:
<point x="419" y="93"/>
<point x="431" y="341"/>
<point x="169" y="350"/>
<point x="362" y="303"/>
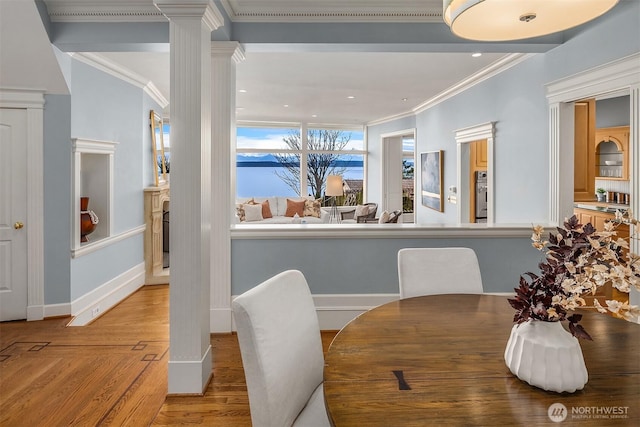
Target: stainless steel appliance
<point x="481" y="196"/>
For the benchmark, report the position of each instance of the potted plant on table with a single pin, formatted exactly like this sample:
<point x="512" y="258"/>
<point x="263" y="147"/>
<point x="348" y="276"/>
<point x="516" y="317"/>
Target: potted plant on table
<point x="578" y="260"/>
<point x="601" y="194"/>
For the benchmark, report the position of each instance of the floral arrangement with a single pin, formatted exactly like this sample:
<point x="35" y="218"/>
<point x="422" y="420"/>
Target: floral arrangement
<point x="578" y="260"/>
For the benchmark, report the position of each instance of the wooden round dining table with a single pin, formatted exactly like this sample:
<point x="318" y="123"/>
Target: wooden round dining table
<point x="439" y="360"/>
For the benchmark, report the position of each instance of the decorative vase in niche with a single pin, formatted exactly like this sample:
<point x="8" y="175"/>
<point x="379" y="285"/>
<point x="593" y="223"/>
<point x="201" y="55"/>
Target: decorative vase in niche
<point x="546" y="356"/>
<point x="88" y="219"/>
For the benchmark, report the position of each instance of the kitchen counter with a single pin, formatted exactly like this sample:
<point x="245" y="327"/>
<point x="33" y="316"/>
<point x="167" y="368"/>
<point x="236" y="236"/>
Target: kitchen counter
<point x="601" y="206"/>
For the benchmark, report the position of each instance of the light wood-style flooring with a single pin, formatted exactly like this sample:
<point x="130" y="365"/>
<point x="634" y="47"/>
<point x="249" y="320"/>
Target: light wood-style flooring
<point x="113" y="372"/>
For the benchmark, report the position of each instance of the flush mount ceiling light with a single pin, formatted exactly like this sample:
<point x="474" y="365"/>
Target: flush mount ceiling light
<point x="497" y="20"/>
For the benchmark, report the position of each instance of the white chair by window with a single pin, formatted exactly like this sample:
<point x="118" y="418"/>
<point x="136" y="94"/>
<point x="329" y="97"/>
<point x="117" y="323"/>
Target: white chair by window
<point x="281" y="352"/>
<point x="432" y="271"/>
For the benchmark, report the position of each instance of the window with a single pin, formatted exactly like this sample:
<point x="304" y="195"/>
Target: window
<point x="408" y="168"/>
<point x="281" y="161"/>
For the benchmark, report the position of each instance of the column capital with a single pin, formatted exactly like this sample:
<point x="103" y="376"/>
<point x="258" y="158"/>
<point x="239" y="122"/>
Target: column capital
<point x="228" y="48"/>
<point x="204" y="9"/>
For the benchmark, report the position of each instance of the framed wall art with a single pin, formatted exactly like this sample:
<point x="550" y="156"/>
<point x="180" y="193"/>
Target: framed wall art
<point x="431" y="179"/>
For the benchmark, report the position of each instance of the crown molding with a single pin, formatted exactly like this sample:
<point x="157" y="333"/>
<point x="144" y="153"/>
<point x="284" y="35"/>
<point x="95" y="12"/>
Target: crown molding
<point x="103" y="64"/>
<point x="492" y="70"/>
<point x="332" y="11"/>
<point x="102" y="11"/>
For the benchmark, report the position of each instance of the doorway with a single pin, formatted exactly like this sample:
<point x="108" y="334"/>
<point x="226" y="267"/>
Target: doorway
<point x="398" y="173"/>
<point x="475" y="171"/>
<point x="13" y="209"/>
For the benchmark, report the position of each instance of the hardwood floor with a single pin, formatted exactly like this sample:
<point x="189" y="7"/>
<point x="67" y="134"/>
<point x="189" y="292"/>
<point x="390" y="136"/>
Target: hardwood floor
<point x="114" y="371"/>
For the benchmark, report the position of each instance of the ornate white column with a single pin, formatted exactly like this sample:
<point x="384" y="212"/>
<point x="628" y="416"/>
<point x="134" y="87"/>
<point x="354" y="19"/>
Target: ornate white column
<point x="191" y="24"/>
<point x="224" y="57"/>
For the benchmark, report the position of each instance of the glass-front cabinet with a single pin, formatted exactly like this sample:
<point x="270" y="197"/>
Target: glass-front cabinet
<point x="612" y="153"/>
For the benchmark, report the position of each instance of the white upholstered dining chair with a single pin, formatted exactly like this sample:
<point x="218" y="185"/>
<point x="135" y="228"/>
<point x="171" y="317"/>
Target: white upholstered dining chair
<point x="432" y="271"/>
<point x="281" y="352"/>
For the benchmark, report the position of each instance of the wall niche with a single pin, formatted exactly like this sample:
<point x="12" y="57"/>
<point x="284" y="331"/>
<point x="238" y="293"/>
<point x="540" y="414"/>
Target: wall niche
<point x="93" y="166"/>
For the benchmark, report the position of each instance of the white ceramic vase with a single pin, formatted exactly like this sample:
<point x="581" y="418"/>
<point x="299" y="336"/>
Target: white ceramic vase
<point x="545" y="355"/>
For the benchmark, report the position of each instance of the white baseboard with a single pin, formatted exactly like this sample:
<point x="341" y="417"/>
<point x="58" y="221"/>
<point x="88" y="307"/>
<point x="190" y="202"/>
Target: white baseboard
<point x="93" y="304"/>
<point x="335" y="310"/>
<point x="190" y="376"/>
<point x="56" y="310"/>
<point x="221" y="320"/>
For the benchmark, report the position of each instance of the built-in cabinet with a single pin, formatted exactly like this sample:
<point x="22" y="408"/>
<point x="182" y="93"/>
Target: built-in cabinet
<point x="598" y="219"/>
<point x="584" y="183"/>
<point x="612" y="153"/>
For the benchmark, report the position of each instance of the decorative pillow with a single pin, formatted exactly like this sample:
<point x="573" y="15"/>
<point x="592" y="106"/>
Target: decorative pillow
<point x="361" y="210"/>
<point x="384" y="217"/>
<point x="266" y="209"/>
<point x="312" y="208"/>
<point x="295" y="207"/>
<point x="240" y="209"/>
<point x="253" y="212"/>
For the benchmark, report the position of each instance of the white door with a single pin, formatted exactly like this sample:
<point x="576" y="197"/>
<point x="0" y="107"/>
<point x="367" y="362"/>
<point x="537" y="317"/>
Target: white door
<point x="13" y="210"/>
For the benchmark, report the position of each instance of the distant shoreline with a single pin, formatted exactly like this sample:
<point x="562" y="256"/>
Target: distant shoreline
<point x="269" y="164"/>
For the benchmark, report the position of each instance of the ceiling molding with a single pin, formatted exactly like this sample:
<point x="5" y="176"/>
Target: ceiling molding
<point x="477" y="78"/>
<point x="333" y="11"/>
<point x="102" y="11"/>
<point x="103" y="64"/>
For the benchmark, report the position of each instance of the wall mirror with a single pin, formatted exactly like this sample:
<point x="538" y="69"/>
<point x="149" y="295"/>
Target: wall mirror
<point x="157" y="144"/>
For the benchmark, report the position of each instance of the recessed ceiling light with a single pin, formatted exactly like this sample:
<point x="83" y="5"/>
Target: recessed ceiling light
<point x="286" y="105"/>
<point x="476" y="54"/>
<point x="314" y="115"/>
<point x="351" y="97"/>
<point x="242" y="91"/>
<point x="405" y="99"/>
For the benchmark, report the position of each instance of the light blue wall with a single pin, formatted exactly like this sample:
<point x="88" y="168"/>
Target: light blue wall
<point x="369" y="265"/>
<point x="516" y="101"/>
<point x="374" y="159"/>
<point x="613" y="112"/>
<point x="100" y="107"/>
<point x="106" y="108"/>
<point x="57" y="198"/>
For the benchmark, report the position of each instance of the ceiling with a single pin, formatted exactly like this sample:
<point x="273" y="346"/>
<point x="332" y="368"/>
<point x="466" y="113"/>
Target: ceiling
<point x="336" y="86"/>
<point x="317" y="86"/>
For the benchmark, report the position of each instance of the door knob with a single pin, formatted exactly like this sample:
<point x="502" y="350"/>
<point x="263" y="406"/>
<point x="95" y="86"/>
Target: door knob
<point x="18" y="225"/>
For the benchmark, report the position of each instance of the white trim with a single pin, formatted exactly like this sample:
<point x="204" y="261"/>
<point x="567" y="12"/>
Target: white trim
<point x="107" y="241"/>
<point x="464" y="136"/>
<point x="106" y="295"/>
<point x="95" y="146"/>
<point x="610" y="77"/>
<point x="343" y="11"/>
<point x="105" y="65"/>
<point x="22" y="98"/>
<point x="336" y="310"/>
<point x="33" y="101"/>
<point x="486" y="73"/>
<point x="79" y="147"/>
<point x="613" y="77"/>
<point x="379" y="231"/>
<point x="112" y="11"/>
<point x="57" y="310"/>
<point x="190" y="376"/>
